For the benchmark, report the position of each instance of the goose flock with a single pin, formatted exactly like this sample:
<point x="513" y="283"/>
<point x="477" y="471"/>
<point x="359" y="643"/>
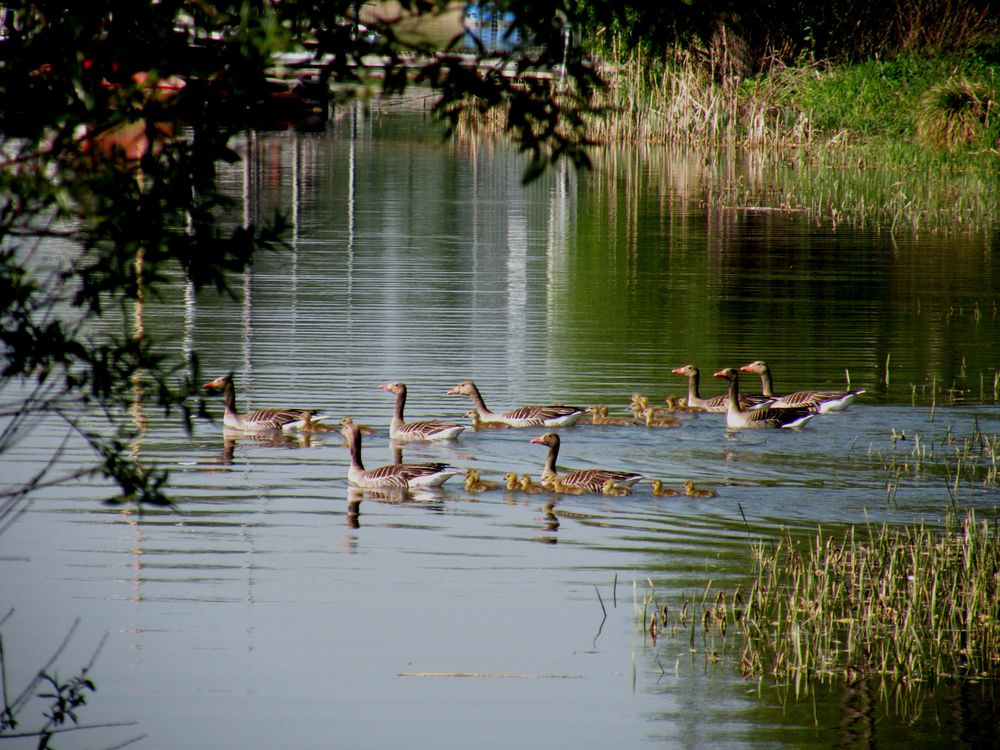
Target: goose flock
<point x="742" y="411"/>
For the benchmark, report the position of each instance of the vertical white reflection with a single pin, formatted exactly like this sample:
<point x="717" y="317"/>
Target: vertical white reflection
<point x="517" y="283"/>
<point x="190" y="320"/>
<point x="557" y="260"/>
<point x="247" y="313"/>
<point x="356" y="113"/>
<point x="296" y="177"/>
<point x="190" y="310"/>
<point x="558" y="231"/>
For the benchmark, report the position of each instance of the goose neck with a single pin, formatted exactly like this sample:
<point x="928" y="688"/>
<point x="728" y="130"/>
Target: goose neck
<point x="479" y="403"/>
<point x="766" y="384"/>
<point x="353" y="436"/>
<point x="734" y="394"/>
<point x="693" y="383"/>
<point x="397" y="416"/>
<point x="549" y="470"/>
<point x="229" y="395"/>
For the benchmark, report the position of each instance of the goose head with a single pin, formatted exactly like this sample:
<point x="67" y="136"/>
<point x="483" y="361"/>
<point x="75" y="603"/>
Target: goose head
<point x="396" y="388"/>
<point x="757" y="367"/>
<point x="465" y="388"/>
<point x="549" y="438"/>
<point x="219" y="382"/>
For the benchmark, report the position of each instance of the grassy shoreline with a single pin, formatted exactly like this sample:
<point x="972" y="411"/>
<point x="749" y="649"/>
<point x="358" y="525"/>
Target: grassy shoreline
<point x="861" y="144"/>
<point x="910" y="145"/>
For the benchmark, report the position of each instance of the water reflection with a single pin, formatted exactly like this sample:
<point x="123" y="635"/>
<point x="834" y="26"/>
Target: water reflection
<point x="274" y="588"/>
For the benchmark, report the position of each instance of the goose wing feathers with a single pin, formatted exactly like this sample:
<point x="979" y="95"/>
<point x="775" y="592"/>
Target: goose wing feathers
<point x="427" y="429"/>
<point x="402" y="475"/>
<point x="594" y="480"/>
<point x="539" y="415"/>
<point x="279" y="419"/>
<point x="818" y="401"/>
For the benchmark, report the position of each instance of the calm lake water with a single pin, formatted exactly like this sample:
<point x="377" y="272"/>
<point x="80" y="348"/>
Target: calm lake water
<point x="262" y="612"/>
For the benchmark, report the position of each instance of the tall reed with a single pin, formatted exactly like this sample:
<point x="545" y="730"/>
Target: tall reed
<point x="910" y="606"/>
<point x="680" y="102"/>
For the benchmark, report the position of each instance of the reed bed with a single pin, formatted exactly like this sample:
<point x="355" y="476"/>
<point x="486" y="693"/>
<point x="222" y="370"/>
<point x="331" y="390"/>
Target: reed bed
<point x="904" y="606"/>
<point x="853" y="186"/>
<point x="911" y="604"/>
<point x="682" y="102"/>
<point x="839" y="145"/>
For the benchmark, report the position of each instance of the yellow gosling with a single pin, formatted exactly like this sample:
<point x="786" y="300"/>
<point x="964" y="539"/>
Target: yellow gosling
<point x="638" y="404"/>
<point x="691" y="491"/>
<point x="610" y="488"/>
<point x="677" y="404"/>
<point x="660" y="491"/>
<point x="557" y="485"/>
<point x="653" y="418"/>
<point x="527" y="485"/>
<point x="474" y="484"/>
<point x="478" y="423"/>
<point x="599" y="415"/>
<point x="510" y="479"/>
<point x="315" y="426"/>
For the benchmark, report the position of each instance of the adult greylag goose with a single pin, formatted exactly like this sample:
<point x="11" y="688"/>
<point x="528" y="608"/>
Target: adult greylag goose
<point x="400" y="476"/>
<point x="553" y="415"/>
<point x="260" y="420"/>
<point x="590" y="479"/>
<point x="819" y="401"/>
<point x="765" y="416"/>
<point x="716" y="403"/>
<point x="427" y="429"/>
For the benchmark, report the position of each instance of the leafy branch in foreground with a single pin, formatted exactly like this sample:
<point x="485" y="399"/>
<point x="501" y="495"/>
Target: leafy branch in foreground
<point x="60" y="700"/>
<point x="113" y="121"/>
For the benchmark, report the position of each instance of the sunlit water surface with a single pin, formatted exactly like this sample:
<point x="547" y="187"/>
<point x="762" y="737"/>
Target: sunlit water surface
<point x="266" y="610"/>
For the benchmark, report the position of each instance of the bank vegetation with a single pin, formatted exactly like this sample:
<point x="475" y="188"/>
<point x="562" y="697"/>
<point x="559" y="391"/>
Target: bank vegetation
<point x="881" y="115"/>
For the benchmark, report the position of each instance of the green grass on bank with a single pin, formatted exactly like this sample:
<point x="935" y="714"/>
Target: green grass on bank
<point x="874" y="101"/>
<point x="909" y="144"/>
<point x="906" y="145"/>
